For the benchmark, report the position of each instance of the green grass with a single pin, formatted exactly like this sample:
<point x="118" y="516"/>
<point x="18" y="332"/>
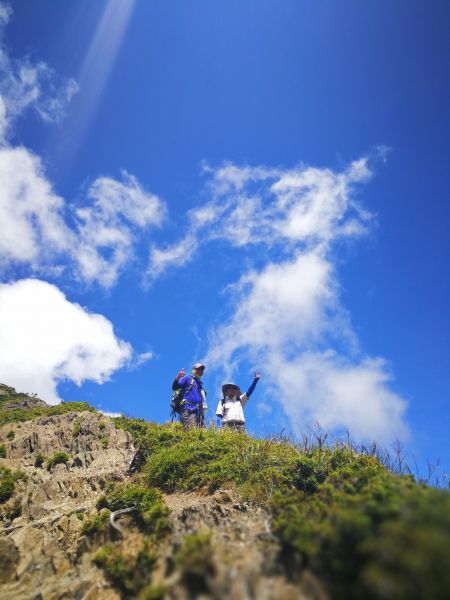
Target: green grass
<point x="339" y="512"/>
<point x="57" y="459"/>
<point x="29" y="414"/>
<point x="2" y="451"/>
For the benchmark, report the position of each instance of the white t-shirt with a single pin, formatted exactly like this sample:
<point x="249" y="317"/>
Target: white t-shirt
<point x="231" y="409"/>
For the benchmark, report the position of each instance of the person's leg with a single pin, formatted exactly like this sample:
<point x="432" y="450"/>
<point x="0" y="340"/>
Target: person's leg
<point x="235" y="425"/>
<point x="188" y="419"/>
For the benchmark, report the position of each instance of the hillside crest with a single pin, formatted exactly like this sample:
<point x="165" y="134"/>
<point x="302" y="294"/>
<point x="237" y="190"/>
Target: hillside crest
<point x="94" y="507"/>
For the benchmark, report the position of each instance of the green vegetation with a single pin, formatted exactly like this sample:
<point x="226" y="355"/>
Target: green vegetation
<point x="150" y="511"/>
<point x="339" y="512"/>
<point x="8" y="481"/>
<point x="194" y="559"/>
<point x="2" y="451"/>
<point x="96" y="523"/>
<point x="28" y="414"/>
<point x="105" y="442"/>
<point x="128" y="573"/>
<point x="101" y="425"/>
<point x="57" y="459"/>
<point x="39" y="459"/>
<point x="155" y="591"/>
<point x="76" y="428"/>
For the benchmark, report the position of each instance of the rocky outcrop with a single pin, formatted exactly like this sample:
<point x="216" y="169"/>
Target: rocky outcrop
<point x="41" y="552"/>
<point x="11" y="399"/>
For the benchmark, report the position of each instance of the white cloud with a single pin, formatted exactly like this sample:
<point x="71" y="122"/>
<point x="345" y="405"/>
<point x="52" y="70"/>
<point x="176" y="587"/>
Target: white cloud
<point x="287" y="317"/>
<point x="34" y="220"/>
<point x="5" y="15"/>
<point x="340" y="394"/>
<point x="113" y="415"/>
<point x="44" y="339"/>
<point x="176" y="255"/>
<point x="31" y="223"/>
<point x="33" y="229"/>
<point x="283" y="307"/>
<point x="298" y="207"/>
<point x="109" y="227"/>
<point x="142" y="358"/>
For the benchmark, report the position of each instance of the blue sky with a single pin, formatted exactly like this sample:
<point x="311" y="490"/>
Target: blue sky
<point x="255" y="184"/>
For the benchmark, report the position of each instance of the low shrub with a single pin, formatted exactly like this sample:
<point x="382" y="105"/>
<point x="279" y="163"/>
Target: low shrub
<point x="12" y="510"/>
<point x="195" y="562"/>
<point x="57" y="459"/>
<point x="154" y="591"/>
<point x="39" y="459"/>
<point x="19" y="415"/>
<point x="2" y="451"/>
<point x="150" y="510"/>
<point x="8" y="481"/>
<point x="105" y="442"/>
<point x="76" y="428"/>
<point x="95" y="523"/>
<point x="364" y="531"/>
<point x="126" y="572"/>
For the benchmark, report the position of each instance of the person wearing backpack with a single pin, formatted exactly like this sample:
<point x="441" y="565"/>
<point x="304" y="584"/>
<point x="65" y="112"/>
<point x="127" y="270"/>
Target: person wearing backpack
<point x="230" y="410"/>
<point x="190" y="397"/>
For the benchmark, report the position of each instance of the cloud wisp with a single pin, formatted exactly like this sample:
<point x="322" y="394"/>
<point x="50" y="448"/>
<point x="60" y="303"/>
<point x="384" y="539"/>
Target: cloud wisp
<point x="25" y="84"/>
<point x="45" y="339"/>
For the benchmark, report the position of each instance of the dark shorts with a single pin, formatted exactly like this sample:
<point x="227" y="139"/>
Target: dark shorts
<point x="189" y="419"/>
<point x="236" y="425"/>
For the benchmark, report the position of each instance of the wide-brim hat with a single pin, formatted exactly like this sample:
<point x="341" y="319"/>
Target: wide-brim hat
<point x="228" y="385"/>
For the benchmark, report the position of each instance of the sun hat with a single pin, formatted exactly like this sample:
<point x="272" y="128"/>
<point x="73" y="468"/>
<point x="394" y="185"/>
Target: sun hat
<point x="228" y="385"/>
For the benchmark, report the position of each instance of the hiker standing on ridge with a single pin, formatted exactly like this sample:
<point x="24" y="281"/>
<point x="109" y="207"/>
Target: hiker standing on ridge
<point x="193" y="396"/>
<point x="230" y="411"/>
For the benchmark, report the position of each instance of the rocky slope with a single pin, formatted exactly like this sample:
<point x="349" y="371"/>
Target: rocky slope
<point x="99" y="508"/>
<point x="44" y="554"/>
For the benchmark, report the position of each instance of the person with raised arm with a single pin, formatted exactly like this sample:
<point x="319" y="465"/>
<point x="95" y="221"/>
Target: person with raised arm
<point x="230" y="410"/>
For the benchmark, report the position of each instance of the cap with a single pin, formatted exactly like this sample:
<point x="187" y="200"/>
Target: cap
<point x="198" y="366"/>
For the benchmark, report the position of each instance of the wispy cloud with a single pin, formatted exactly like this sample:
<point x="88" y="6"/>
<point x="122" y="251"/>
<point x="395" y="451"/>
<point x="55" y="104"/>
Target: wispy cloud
<point x="109" y="226"/>
<point x="45" y="339"/>
<point x="27" y="84"/>
<point x="300" y="207"/>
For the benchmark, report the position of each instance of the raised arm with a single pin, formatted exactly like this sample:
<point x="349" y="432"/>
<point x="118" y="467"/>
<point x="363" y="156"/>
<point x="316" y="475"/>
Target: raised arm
<point x="250" y="390"/>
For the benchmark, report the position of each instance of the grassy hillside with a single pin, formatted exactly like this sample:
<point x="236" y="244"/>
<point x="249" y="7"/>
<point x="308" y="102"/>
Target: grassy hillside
<point x="364" y="531"/>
